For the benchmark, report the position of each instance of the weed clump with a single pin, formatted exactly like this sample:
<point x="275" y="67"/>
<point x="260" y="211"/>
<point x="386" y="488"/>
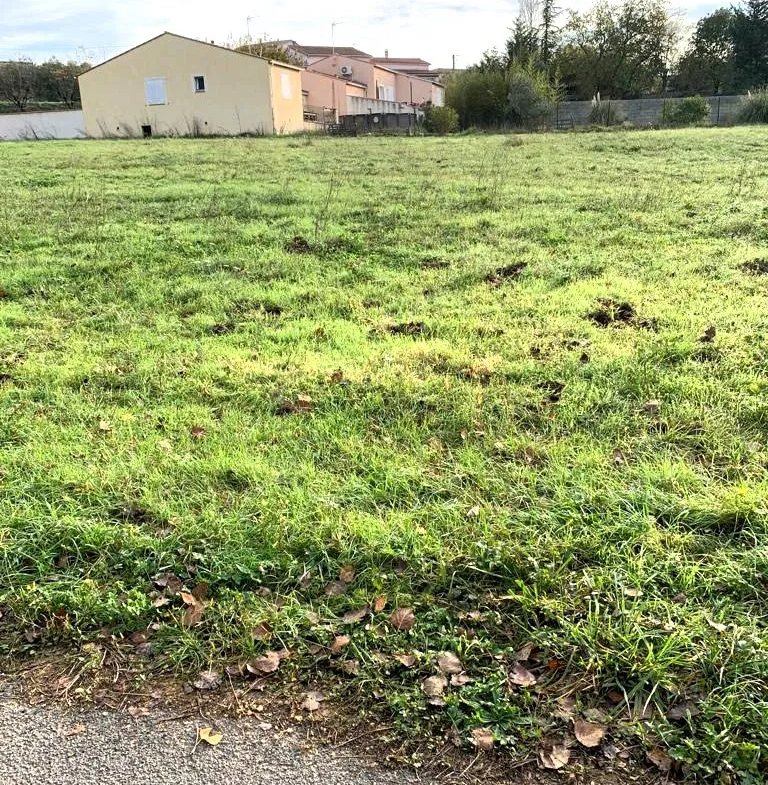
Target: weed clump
<point x="757" y="266"/>
<point x="298" y="245"/>
<point x="509" y="272"/>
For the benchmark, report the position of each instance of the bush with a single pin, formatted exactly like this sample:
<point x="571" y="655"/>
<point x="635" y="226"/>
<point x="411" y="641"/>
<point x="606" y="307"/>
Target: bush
<point x="478" y="97"/>
<point x="530" y="98"/>
<point x="754" y="108"/>
<point x="441" y="120"/>
<point x="520" y="97"/>
<point x="606" y="112"/>
<point x="689" y="111"/>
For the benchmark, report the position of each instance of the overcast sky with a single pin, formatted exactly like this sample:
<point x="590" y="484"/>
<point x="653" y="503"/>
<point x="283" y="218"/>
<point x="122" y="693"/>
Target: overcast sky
<point x="432" y="29"/>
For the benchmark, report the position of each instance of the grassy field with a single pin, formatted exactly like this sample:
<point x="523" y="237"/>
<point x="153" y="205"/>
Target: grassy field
<point x="516" y="385"/>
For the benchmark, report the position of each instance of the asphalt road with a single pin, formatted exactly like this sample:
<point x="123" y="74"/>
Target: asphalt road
<point x="48" y="745"/>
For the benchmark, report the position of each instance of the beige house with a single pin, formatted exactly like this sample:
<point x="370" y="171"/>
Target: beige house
<point x="172" y="85"/>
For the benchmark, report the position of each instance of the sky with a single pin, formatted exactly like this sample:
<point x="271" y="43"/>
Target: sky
<point x="435" y="30"/>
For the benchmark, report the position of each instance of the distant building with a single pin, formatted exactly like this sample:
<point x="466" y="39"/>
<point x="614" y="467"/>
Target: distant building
<point x="173" y="85"/>
<point x="311" y="54"/>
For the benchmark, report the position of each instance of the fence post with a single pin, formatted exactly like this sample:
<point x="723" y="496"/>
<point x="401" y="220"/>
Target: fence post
<point x="717" y="120"/>
<point x="608" y="116"/>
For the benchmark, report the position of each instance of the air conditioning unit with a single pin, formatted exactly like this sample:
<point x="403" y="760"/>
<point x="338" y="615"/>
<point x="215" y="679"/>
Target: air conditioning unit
<point x="345" y="70"/>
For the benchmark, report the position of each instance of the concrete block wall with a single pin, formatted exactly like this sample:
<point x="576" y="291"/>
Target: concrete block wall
<point x="643" y="111"/>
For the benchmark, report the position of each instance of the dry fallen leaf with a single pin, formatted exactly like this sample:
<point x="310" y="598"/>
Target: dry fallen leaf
<point x="312" y="701"/>
<point x="340" y="642"/>
<point x="473" y="512"/>
<point x="337" y="376"/>
<point x="403" y="618"/>
<point x="209" y="736"/>
<point x="708" y="335"/>
<point x="521" y="676"/>
<point x="197" y="432"/>
<point x="448" y="663"/>
<point x="261" y="631"/>
<point x="104" y="426"/>
<point x="76" y="729"/>
<point x="588" y="734"/>
<point x="269" y="662"/>
<point x="660" y="759"/>
<point x="683" y="710"/>
<point x="566" y="706"/>
<point x="165" y="445"/>
<point x="482" y="738"/>
<point x="138" y="711"/>
<point x="716" y="625"/>
<point x="335" y="589"/>
<point x="406" y="660"/>
<point x="194" y="612"/>
<point x="380" y="603"/>
<point x="351" y="666"/>
<point x="460" y="679"/>
<point x="347" y="573"/>
<point x="525" y="653"/>
<point x="353" y="617"/>
<point x="433" y="686"/>
<point x="555" y="757"/>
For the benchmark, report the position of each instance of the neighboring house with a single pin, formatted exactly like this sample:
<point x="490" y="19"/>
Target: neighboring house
<point x="311" y="54"/>
<point x="173" y="85"/>
<point x="381" y="83"/>
<point x="326" y="97"/>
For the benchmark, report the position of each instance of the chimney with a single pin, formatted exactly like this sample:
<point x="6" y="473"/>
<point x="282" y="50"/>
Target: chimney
<point x="386" y="53"/>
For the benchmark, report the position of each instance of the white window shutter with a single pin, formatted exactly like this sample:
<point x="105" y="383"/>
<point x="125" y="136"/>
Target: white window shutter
<point x="154" y="90"/>
<point x="285" y="86"/>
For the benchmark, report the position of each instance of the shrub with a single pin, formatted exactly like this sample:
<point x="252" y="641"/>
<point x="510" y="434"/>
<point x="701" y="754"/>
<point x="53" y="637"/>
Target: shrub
<point x="441" y="120"/>
<point x="521" y="96"/>
<point x="754" y="108"/>
<point x="606" y="112"/>
<point x="478" y="97"/>
<point x="530" y="98"/>
<point x="689" y="111"/>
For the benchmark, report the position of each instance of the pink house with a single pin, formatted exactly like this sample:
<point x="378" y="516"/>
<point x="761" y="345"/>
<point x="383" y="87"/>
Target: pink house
<point x="326" y="95"/>
<point x="381" y="83"/>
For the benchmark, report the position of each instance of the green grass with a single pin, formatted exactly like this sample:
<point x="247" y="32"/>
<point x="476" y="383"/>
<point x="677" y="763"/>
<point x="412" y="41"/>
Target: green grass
<point x="150" y="288"/>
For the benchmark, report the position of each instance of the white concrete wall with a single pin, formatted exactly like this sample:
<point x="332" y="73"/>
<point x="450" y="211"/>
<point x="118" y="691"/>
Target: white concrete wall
<point x="357" y="105"/>
<point x="42" y="125"/>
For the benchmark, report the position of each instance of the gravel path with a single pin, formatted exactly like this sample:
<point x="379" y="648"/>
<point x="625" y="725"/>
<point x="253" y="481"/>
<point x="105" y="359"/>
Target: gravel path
<point x="48" y="745"/>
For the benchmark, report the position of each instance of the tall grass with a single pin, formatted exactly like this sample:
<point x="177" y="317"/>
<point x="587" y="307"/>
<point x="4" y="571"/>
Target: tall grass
<point x="754" y="108"/>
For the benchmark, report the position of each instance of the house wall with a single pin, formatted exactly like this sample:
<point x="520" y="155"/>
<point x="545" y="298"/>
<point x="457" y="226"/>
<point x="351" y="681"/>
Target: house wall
<point x="412" y="91"/>
<point x="238" y="96"/>
<point x="438" y="94"/>
<point x="326" y="91"/>
<point x="287" y="102"/>
<point x="361" y="71"/>
<point x="386" y="79"/>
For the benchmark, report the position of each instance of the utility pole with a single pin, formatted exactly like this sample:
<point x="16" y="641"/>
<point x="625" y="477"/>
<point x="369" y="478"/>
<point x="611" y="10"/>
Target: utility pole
<point x="453" y="60"/>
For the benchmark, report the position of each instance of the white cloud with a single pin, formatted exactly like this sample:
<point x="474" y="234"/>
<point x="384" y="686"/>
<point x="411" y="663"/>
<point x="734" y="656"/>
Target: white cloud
<point x="432" y="29"/>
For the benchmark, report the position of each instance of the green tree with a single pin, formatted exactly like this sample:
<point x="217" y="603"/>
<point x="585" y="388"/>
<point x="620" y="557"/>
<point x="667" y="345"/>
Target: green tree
<point x="707" y="65"/>
<point x="18" y="82"/>
<point x="750" y="44"/>
<point x="621" y="50"/>
<point x="57" y="81"/>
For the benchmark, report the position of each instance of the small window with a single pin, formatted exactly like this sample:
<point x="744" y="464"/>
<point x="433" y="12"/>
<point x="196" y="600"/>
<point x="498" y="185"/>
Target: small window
<point x="154" y="89"/>
<point x="199" y="83"/>
<point x="285" y="86"/>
